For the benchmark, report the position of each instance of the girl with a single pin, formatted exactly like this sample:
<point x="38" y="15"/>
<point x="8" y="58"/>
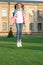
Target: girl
<point x="19" y="20"/>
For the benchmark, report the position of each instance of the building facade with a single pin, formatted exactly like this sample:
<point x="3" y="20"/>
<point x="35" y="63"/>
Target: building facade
<point x="34" y="17"/>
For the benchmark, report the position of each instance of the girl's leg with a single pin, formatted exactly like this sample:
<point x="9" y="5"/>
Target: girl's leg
<point x="18" y="34"/>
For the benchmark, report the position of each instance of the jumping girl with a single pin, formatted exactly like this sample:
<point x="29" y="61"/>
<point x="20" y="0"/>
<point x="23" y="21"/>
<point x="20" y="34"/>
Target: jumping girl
<point x="19" y="20"/>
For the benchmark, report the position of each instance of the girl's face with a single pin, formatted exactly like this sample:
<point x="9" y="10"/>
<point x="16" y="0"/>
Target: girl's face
<point x="19" y="6"/>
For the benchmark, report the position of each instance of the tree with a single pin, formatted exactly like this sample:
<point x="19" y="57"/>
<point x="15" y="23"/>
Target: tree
<point x="10" y="34"/>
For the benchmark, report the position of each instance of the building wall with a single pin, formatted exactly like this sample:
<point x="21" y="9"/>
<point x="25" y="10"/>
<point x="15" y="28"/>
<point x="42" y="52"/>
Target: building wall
<point x="31" y="9"/>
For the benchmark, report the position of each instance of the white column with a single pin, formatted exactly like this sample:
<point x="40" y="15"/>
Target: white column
<point x="27" y="18"/>
<point x="0" y="20"/>
<point x="35" y="20"/>
<point x="42" y="26"/>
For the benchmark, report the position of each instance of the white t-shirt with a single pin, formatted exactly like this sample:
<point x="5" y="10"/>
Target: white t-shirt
<point x="19" y="17"/>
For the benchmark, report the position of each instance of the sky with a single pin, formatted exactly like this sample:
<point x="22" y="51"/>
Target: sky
<point x="32" y="0"/>
<point x="29" y="0"/>
<point x="35" y="0"/>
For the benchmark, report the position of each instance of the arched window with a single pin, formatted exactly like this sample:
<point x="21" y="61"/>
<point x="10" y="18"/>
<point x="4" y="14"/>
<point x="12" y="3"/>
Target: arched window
<point x="39" y="26"/>
<point x="32" y="26"/>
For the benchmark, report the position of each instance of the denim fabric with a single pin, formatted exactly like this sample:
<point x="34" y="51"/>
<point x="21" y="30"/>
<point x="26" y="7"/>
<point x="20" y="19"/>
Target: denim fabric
<point x="19" y="27"/>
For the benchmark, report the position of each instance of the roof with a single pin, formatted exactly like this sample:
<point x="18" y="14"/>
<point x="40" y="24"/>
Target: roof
<point x="34" y="1"/>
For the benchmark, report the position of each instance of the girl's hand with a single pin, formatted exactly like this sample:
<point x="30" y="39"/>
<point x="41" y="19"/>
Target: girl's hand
<point x="24" y="24"/>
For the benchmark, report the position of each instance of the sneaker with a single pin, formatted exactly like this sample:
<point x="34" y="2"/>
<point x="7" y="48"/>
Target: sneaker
<point x="18" y="44"/>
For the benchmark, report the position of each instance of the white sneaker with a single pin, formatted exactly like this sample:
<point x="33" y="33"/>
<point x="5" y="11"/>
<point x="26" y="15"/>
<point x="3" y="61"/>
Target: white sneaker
<point x="18" y="44"/>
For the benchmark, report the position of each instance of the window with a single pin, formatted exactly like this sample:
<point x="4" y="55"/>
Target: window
<point x="39" y="14"/>
<point x="32" y="26"/>
<point x="39" y="26"/>
<point x="4" y="25"/>
<point x="4" y="13"/>
<point x="31" y="12"/>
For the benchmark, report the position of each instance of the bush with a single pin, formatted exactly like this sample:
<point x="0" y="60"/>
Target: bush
<point x="10" y="34"/>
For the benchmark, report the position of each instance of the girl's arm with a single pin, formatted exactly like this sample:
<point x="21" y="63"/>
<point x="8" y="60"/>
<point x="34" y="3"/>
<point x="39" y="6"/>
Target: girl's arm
<point x="14" y="19"/>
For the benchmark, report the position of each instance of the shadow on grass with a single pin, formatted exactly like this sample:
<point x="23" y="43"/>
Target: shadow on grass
<point x="13" y="46"/>
<point x="33" y="48"/>
<point x="25" y="39"/>
<point x="10" y="46"/>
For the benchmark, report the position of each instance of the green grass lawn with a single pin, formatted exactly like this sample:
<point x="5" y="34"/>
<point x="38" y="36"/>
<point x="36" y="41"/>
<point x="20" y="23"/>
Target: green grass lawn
<point x="30" y="54"/>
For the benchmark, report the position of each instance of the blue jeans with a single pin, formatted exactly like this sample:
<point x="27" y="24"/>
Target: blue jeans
<point x="19" y="27"/>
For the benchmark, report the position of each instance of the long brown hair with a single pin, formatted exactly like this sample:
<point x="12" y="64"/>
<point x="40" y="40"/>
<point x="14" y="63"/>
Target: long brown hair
<point x="17" y="5"/>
